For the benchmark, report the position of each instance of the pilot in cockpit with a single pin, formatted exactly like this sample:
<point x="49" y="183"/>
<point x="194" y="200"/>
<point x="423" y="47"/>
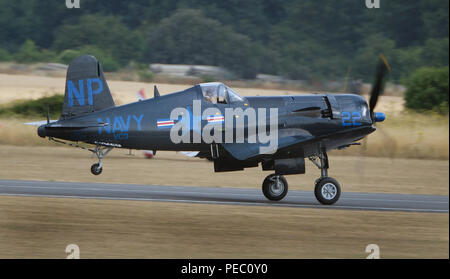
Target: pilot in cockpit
<point x="210" y="96"/>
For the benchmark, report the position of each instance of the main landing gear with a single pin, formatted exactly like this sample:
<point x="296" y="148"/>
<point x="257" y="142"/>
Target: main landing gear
<point x="275" y="187"/>
<point x="100" y="151"/>
<point x="327" y="190"/>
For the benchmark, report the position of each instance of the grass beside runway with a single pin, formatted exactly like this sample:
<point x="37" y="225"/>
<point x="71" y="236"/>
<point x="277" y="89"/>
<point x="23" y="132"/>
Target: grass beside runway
<point x="42" y="228"/>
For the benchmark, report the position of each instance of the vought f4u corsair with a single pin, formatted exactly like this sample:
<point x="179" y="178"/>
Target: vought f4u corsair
<point x="213" y="121"/>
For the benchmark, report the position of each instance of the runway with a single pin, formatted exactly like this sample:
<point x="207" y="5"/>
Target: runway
<point x="225" y="196"/>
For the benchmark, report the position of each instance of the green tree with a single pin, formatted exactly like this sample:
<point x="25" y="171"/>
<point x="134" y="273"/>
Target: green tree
<point x="367" y="56"/>
<point x="28" y="53"/>
<point x="434" y="17"/>
<point x="4" y="55"/>
<point x="428" y="89"/>
<point x="308" y="39"/>
<point x="108" y="62"/>
<point x="435" y="52"/>
<point x="407" y="60"/>
<point x="189" y="37"/>
<point x="17" y="23"/>
<point x="104" y="32"/>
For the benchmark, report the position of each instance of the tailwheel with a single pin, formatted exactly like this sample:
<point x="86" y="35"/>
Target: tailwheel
<point x="275" y="187"/>
<point x="96" y="169"/>
<point x="101" y="152"/>
<point x="327" y="190"/>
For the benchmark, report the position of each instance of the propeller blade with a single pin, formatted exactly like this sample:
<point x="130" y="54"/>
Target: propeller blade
<point x="377" y="88"/>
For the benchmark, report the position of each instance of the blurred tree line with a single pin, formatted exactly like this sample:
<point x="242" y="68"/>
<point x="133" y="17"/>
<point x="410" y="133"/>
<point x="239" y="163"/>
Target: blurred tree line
<point x="308" y="40"/>
<point x="428" y="90"/>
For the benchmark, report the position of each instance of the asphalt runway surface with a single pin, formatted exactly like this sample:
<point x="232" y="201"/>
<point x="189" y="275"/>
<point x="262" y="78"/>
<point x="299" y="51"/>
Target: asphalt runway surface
<point x="225" y="196"/>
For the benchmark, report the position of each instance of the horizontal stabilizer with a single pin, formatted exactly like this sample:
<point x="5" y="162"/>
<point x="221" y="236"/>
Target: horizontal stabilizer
<point x="39" y="123"/>
<point x="70" y="124"/>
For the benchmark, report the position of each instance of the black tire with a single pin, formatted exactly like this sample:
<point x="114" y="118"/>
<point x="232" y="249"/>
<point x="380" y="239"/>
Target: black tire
<point x="272" y="191"/>
<point x="327" y="190"/>
<point x="95" y="169"/>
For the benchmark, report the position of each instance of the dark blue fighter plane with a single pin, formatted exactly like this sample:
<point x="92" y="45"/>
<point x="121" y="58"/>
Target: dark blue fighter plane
<point x="212" y="120"/>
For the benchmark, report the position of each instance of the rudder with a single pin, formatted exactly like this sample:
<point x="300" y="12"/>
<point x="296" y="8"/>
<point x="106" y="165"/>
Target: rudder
<point x="86" y="88"/>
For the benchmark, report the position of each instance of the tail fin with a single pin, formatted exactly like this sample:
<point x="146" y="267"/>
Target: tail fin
<point x="86" y="88"/>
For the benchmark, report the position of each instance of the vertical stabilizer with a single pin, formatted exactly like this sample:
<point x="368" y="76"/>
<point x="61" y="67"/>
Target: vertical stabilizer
<point x="86" y="88"/>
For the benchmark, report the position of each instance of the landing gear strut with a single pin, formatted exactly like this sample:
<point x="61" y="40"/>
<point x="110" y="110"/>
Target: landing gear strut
<point x="275" y="187"/>
<point x="101" y="152"/>
<point x="327" y="190"/>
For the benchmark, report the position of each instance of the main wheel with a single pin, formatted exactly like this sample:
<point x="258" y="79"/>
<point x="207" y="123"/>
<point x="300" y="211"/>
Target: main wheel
<point x="327" y="190"/>
<point x="96" y="169"/>
<point x="275" y="187"/>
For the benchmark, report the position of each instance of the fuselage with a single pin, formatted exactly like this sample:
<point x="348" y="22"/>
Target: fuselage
<point x="332" y="121"/>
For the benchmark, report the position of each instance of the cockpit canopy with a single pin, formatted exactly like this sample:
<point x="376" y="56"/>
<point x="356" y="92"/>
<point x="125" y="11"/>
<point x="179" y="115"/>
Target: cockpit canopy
<point x="219" y="93"/>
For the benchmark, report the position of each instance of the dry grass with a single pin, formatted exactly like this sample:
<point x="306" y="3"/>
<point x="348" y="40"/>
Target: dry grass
<point x="15" y="132"/>
<point x="356" y="174"/>
<point x="43" y="227"/>
<point x="16" y="87"/>
<point x="407" y="135"/>
<point x="126" y="74"/>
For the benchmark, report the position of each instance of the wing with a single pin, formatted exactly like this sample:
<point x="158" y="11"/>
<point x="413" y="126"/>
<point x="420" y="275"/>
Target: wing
<point x="190" y="154"/>
<point x="286" y="138"/>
